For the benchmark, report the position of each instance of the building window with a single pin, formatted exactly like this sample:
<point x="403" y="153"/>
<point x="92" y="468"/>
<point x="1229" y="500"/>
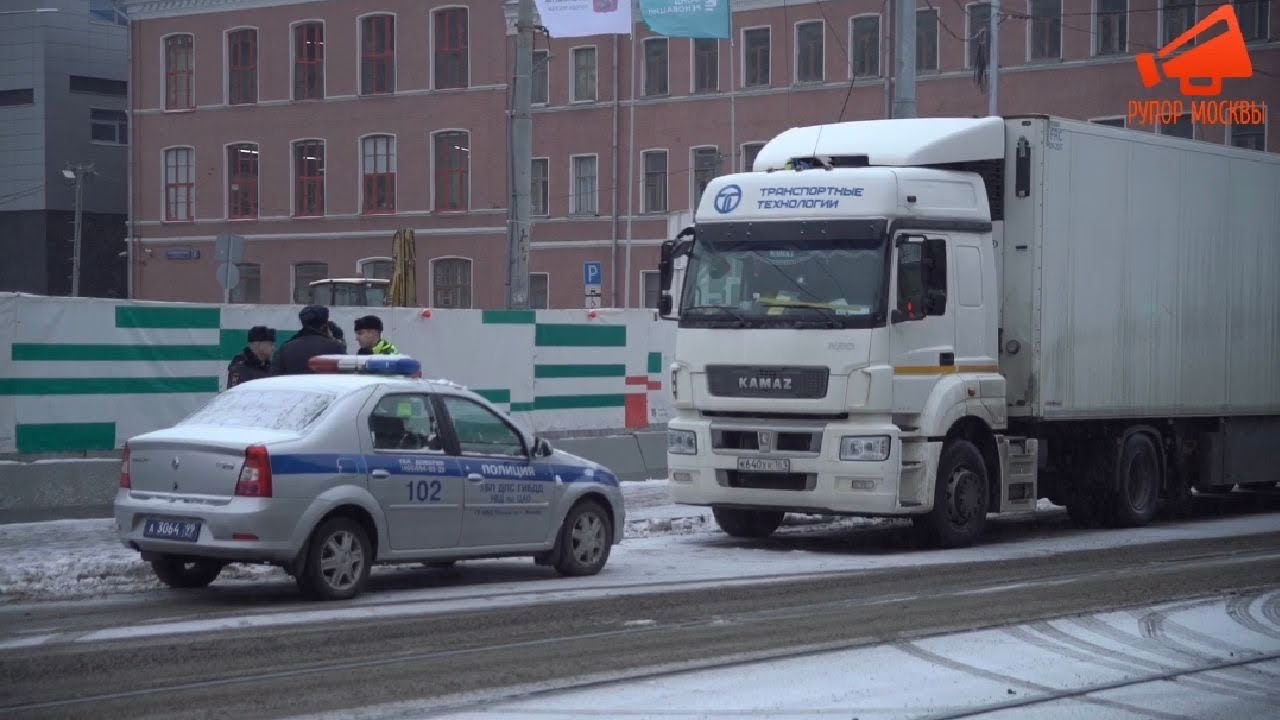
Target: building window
<point x="377" y="55"/>
<point x="749" y="153"/>
<point x="1254" y="17"/>
<point x="451" y="48"/>
<point x="583" y="201"/>
<point x="97" y="85"/>
<point x="1177" y="17"/>
<point x="308" y="61"/>
<point x="179" y="184"/>
<point x="378" y="175"/>
<point x="1181" y="127"/>
<point x="655" y="181"/>
<point x="649" y="282"/>
<point x="308" y="169"/>
<point x="656" y="75"/>
<point x="107" y="12"/>
<point x="866" y="46"/>
<point x="584" y="74"/>
<point x="540" y="78"/>
<point x="453" y="155"/>
<point x="377" y="268"/>
<point x="540" y="192"/>
<point x="706" y="65"/>
<point x="926" y="39"/>
<point x="1249" y="137"/>
<point x="1112" y="121"/>
<point x="17" y="98"/>
<point x="539" y="298"/>
<point x="242" y="67"/>
<point x="451" y="283"/>
<point x="755" y="54"/>
<point x="178" y="72"/>
<point x="1046" y="29"/>
<point x="1112" y="29"/>
<point x="979" y="20"/>
<point x="305" y="273"/>
<point x="706" y="166"/>
<point x="249" y="290"/>
<point x="809" y="52"/>
<point x="109" y="126"/>
<point x="242" y="181"/>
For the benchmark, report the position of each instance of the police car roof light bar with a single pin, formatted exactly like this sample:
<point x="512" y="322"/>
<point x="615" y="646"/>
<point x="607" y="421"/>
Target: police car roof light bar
<point x="402" y="365"/>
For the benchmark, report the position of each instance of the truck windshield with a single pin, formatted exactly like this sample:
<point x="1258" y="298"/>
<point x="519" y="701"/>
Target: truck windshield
<point x="793" y="275"/>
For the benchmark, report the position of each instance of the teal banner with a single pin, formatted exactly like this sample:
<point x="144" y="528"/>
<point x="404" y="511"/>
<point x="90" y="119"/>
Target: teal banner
<point x="708" y="19"/>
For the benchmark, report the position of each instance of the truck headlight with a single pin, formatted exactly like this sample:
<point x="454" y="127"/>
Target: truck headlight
<point x="865" y="448"/>
<point x="682" y="442"/>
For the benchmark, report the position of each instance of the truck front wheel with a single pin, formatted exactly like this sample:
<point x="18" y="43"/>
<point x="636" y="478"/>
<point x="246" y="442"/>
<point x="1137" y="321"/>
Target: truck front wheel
<point x="747" y="523"/>
<point x="961" y="498"/>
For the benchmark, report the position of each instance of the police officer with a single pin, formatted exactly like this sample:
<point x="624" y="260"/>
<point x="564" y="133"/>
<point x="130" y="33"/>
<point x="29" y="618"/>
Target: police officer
<point x="369" y="335"/>
<point x="313" y="339"/>
<point x="255" y="361"/>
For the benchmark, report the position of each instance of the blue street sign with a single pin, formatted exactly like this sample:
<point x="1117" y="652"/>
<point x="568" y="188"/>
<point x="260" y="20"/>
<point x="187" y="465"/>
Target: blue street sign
<point x="592" y="273"/>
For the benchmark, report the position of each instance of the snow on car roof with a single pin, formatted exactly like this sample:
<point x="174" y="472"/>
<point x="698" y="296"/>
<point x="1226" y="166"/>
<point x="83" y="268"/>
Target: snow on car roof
<point x="343" y="383"/>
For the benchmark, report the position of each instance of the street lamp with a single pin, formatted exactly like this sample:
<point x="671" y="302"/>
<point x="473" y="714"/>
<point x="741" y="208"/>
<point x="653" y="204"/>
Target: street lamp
<point x="76" y="173"/>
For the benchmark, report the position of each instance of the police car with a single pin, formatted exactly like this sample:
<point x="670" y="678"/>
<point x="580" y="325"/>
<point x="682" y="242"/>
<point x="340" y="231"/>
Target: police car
<point x="363" y="462"/>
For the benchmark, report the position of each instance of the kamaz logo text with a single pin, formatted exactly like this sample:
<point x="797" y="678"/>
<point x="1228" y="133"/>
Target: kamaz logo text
<point x="764" y="383"/>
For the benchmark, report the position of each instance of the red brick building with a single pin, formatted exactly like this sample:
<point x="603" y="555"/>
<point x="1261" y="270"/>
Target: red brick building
<point x="316" y="129"/>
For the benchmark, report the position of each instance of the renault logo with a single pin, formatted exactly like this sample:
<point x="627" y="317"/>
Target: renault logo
<point x="764" y="441"/>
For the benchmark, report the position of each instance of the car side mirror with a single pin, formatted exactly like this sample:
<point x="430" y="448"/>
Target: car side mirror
<point x="541" y="448"/>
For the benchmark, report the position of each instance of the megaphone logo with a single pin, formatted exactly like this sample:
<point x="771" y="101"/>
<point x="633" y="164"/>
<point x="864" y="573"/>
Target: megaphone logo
<point x="1216" y="59"/>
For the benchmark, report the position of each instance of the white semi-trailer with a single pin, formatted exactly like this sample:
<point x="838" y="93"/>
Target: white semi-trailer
<point x="944" y="318"/>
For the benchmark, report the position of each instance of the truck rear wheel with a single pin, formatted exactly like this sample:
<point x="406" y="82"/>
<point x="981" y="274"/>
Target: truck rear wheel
<point x="747" y="523"/>
<point x="961" y="498"/>
<point x="1138" y="477"/>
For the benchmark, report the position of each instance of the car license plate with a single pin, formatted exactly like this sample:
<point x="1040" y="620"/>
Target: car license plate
<point x="168" y="529"/>
<point x="769" y="465"/>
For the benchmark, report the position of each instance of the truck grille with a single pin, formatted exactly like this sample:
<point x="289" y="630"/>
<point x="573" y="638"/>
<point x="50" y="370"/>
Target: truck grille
<point x="807" y="383"/>
<point x="795" y="482"/>
<point x="783" y="441"/>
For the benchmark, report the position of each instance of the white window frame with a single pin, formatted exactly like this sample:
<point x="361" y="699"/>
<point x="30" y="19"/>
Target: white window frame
<point x="693" y="69"/>
<point x="226" y="65"/>
<point x="164" y="74"/>
<point x="644" y="205"/>
<point x="546" y="275"/>
<point x="546" y="74"/>
<point x="293" y="276"/>
<point x="645" y="274"/>
<point x="1266" y="128"/>
<point x="362" y="261"/>
<point x="226" y="181"/>
<point x="1195" y="17"/>
<point x="293" y="59"/>
<point x="431" y="60"/>
<point x="547" y="177"/>
<point x="471" y="279"/>
<point x="1062" y="31"/>
<point x="573" y="75"/>
<point x="1094" y="14"/>
<point x="693" y="173"/>
<point x="795" y="53"/>
<point x="644" y="66"/>
<point x="395" y="160"/>
<point x="742" y="57"/>
<point x="293" y="178"/>
<point x="742" y="153"/>
<point x="937" y="35"/>
<point x="1160" y="126"/>
<point x="164" y="183"/>
<point x="969" y="32"/>
<point x="574" y="211"/>
<point x="880" y="40"/>
<point x="432" y="154"/>
<point x="395" y="55"/>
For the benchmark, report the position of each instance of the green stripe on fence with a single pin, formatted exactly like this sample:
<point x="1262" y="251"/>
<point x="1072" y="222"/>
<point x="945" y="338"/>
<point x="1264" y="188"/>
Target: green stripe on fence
<point x="497" y="397"/>
<point x="548" y="372"/>
<point x="107" y="386"/>
<point x="578" y="402"/>
<point x="508" y="317"/>
<point x="655" y="363"/>
<point x="141" y="316"/>
<point x="115" y="353"/>
<point x="522" y="407"/>
<point x="65" y="437"/>
<point x="566" y="335"/>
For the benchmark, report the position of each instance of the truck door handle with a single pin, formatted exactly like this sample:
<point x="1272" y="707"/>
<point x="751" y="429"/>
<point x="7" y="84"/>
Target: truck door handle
<point x="380" y="474"/>
<point x="475" y="477"/>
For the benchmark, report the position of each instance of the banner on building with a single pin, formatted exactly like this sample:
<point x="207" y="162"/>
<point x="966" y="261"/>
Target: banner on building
<point x="709" y="19"/>
<point x="582" y="18"/>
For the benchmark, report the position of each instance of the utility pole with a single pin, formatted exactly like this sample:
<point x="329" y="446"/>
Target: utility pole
<point x="521" y="162"/>
<point x="76" y="173"/>
<point x="904" y="84"/>
<point x="993" y="64"/>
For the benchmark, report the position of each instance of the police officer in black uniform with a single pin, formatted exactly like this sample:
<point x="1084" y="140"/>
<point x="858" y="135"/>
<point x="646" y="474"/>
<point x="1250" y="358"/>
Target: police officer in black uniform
<point x="255" y="361"/>
<point x="313" y="339"/>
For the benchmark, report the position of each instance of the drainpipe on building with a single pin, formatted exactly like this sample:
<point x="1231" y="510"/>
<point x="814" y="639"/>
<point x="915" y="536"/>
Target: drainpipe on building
<point x="129" y="151"/>
<point x="889" y="59"/>
<point x="617" y="132"/>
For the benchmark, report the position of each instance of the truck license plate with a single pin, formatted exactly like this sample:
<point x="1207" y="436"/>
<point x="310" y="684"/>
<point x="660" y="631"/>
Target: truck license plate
<point x="769" y="465"/>
<point x="166" y="529"/>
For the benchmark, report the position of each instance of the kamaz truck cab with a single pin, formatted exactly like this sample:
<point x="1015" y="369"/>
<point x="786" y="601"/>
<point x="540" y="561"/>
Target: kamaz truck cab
<point x="836" y="349"/>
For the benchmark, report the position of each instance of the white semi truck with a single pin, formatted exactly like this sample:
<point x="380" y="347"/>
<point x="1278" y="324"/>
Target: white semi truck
<point x="944" y="318"/>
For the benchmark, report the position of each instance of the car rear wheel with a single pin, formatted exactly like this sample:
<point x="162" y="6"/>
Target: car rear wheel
<point x="338" y="561"/>
<point x="585" y="540"/>
<point x="186" y="573"/>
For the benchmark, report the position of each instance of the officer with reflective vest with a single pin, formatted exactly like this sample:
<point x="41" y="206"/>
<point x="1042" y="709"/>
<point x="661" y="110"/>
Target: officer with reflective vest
<point x="369" y="335"/>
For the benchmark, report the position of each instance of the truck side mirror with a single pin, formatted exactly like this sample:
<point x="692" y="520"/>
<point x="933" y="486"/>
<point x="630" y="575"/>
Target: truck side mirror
<point x="664" y="305"/>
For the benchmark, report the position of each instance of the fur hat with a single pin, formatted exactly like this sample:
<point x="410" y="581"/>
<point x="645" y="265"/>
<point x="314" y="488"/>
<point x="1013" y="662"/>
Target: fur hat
<point x="369" y="322"/>
<point x="258" y="333"/>
<point x="314" y="316"/>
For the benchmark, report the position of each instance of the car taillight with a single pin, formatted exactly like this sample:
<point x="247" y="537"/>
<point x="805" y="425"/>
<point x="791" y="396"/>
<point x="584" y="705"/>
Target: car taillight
<point x="255" y="476"/>
<point x="125" y="480"/>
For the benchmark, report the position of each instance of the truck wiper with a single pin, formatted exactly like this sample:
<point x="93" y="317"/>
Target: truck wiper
<point x="720" y="309"/>
<point x="835" y="318"/>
